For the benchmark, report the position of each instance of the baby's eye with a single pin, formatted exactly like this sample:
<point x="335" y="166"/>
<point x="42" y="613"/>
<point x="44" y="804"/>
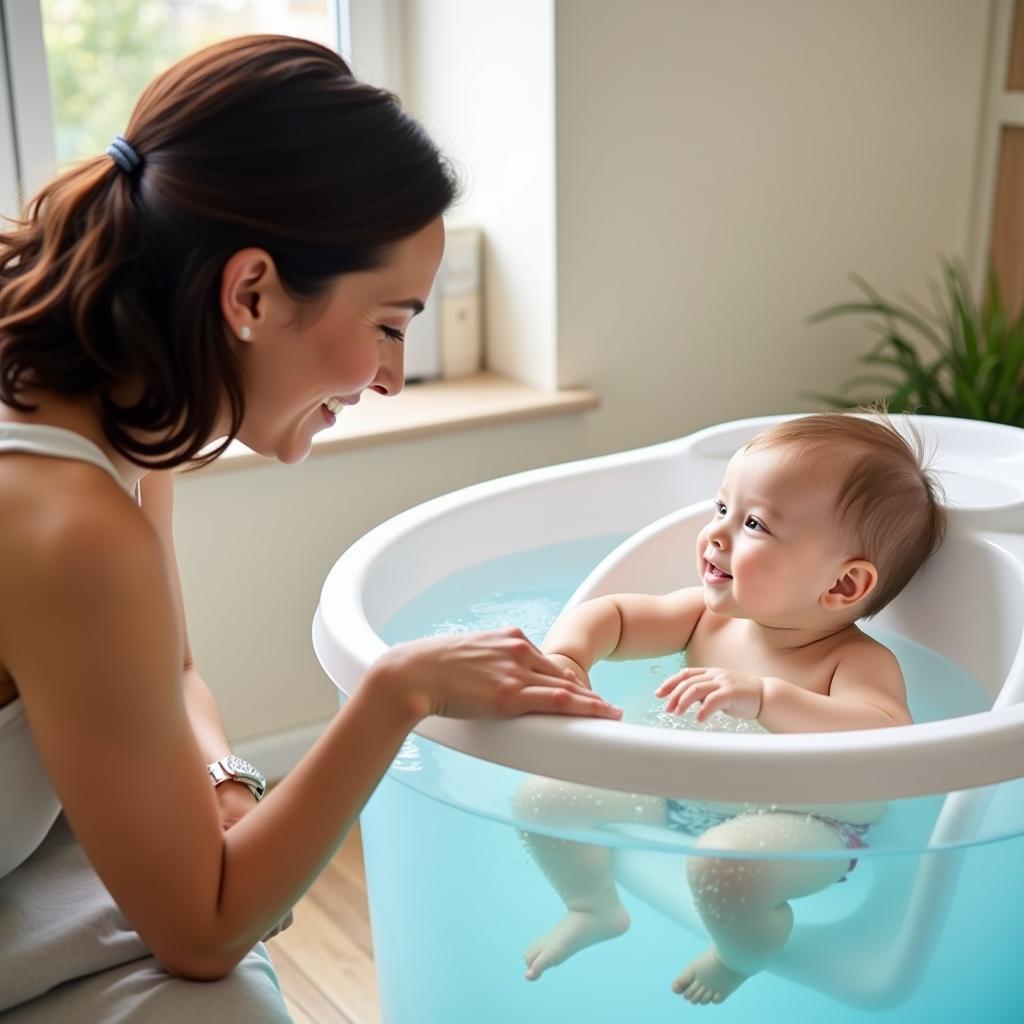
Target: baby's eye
<point x="753" y="524"/>
<point x="720" y="506"/>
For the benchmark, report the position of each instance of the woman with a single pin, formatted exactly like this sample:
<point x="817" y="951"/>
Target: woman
<point x="242" y="263"/>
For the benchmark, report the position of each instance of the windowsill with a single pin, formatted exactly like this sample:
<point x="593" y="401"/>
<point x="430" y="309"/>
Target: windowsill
<point x="433" y="407"/>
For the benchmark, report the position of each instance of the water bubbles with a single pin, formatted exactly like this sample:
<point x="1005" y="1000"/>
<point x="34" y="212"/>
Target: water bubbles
<point x="449" y="627"/>
<point x="656" y="716"/>
<point x="531" y="609"/>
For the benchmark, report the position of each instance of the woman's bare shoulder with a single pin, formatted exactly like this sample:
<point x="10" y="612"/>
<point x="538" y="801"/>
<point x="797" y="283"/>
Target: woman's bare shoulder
<point x="68" y="530"/>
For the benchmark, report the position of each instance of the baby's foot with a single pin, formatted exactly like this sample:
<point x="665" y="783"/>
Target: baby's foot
<point x="577" y="930"/>
<point x="707" y="980"/>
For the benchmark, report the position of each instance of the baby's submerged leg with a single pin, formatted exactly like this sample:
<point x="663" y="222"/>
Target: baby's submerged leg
<point x="745" y="903"/>
<point x="580" y="872"/>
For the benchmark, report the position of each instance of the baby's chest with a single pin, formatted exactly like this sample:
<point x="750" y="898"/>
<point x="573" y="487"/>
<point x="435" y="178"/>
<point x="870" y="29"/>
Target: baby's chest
<point x="719" y="649"/>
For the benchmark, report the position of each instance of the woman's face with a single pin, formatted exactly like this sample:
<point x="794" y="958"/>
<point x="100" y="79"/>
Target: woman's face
<point x="299" y="358"/>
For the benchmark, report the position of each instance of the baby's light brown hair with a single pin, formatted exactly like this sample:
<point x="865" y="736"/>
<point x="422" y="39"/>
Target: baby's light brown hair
<point x="888" y="505"/>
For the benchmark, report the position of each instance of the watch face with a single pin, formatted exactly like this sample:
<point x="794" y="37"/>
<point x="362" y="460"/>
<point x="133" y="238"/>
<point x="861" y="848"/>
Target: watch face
<point x="240" y="769"/>
<point x="237" y="764"/>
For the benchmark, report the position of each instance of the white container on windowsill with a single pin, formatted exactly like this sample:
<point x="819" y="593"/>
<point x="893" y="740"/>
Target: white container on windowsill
<point x="446" y="339"/>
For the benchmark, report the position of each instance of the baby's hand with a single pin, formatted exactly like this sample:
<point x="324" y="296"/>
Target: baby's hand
<point x="716" y="689"/>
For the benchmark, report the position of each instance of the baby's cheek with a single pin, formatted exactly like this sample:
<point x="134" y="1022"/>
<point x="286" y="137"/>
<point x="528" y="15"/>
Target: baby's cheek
<point x="699" y="548"/>
<point x="761" y="583"/>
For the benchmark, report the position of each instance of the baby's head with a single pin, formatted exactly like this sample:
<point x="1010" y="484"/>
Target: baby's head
<point x="824" y="517"/>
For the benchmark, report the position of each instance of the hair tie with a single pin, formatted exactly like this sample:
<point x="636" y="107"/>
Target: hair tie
<point x="124" y="155"/>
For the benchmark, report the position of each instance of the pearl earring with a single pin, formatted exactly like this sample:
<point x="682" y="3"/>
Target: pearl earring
<point x="245" y="333"/>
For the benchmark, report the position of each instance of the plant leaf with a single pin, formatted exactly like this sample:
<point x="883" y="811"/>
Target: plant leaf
<point x="963" y="316"/>
<point x="884" y="309"/>
<point x="978" y="365"/>
<point x="969" y="399"/>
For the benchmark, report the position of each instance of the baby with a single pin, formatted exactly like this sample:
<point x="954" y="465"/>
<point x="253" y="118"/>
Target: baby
<point x="819" y="521"/>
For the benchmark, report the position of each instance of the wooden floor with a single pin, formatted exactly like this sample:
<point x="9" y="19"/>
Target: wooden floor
<point x="325" y="959"/>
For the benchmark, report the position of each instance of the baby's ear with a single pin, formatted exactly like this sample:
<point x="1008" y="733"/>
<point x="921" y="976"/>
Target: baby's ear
<point x="856" y="580"/>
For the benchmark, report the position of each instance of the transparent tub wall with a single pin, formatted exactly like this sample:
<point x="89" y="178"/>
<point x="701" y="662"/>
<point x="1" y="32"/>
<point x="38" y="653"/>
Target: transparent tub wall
<point x="913" y="934"/>
<point x="456" y="899"/>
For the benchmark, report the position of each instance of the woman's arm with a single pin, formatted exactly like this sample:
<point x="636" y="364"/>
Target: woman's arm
<point x="234" y="799"/>
<point x="90" y="631"/>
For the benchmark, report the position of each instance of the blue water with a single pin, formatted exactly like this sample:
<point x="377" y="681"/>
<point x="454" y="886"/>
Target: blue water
<point x="456" y="898"/>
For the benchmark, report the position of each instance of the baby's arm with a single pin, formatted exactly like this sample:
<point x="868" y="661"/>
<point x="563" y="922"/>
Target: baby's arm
<point x="623" y="626"/>
<point x="867" y="692"/>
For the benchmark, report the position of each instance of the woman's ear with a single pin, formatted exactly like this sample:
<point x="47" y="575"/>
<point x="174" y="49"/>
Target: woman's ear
<point x="856" y="580"/>
<point x="248" y="285"/>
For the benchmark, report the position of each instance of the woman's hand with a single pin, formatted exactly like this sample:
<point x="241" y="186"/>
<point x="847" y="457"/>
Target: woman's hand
<point x="498" y="674"/>
<point x="715" y="689"/>
<point x="564" y="661"/>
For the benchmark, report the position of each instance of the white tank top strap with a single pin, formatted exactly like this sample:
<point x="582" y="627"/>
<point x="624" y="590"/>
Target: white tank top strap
<point x="56" y="442"/>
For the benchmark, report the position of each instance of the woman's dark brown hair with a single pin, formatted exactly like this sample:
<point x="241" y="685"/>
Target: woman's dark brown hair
<point x="114" y="277"/>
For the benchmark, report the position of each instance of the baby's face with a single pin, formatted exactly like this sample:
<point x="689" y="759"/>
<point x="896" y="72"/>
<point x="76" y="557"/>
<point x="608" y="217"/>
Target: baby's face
<point x="770" y="550"/>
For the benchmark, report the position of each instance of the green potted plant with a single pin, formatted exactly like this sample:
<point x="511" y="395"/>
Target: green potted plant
<point x="963" y="359"/>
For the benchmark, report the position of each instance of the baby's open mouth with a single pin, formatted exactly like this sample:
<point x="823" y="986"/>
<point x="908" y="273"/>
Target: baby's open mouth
<point x="714" y="572"/>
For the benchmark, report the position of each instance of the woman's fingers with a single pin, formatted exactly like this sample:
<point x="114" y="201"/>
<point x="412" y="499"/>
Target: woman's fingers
<point x="527" y="654"/>
<point x="500" y="673"/>
<point x="574" y="688"/>
<point x="552" y="670"/>
<point x="558" y="701"/>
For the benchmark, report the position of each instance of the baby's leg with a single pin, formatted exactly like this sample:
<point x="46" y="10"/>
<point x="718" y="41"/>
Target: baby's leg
<point x="744" y="903"/>
<point x="580" y="872"/>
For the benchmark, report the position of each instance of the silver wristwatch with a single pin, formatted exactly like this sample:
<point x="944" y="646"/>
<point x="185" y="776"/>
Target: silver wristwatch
<point x="236" y="769"/>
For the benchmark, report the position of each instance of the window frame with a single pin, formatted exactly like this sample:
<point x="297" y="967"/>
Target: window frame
<point x="8" y="153"/>
<point x="26" y="118"/>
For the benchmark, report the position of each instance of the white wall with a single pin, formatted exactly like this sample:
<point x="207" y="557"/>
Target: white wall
<point x="721" y="167"/>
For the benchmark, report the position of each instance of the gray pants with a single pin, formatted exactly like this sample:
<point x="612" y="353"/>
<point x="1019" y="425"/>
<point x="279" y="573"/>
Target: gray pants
<point x="68" y="954"/>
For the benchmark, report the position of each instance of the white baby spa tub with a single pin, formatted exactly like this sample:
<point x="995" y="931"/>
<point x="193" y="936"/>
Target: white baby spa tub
<point x="880" y="952"/>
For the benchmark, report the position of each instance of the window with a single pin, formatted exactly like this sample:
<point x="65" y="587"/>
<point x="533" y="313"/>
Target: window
<point x="76" y="67"/>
